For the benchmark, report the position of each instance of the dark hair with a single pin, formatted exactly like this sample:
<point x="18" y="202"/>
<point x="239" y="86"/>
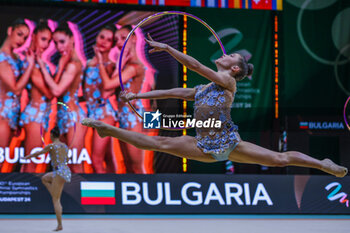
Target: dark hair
<point x="63" y="27"/>
<point x="55" y="132"/>
<point x="246" y="69"/>
<point x="41" y="25"/>
<point x="17" y="23"/>
<point x="110" y="27"/>
<point x="128" y="27"/>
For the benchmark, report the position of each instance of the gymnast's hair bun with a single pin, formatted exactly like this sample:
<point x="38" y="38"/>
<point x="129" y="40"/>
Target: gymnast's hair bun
<point x="250" y="69"/>
<point x="55" y="132"/>
<point x="41" y="25"/>
<point x="64" y="27"/>
<point x="110" y="27"/>
<point x="18" y="22"/>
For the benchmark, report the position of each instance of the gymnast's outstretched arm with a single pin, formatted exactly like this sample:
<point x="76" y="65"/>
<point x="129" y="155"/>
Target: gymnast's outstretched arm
<point x="174" y="93"/>
<point x="43" y="151"/>
<point x="220" y="78"/>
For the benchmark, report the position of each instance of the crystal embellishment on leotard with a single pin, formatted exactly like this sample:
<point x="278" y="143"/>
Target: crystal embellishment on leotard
<point x="98" y="107"/>
<point x="58" y="164"/>
<point x="10" y="107"/>
<point x="39" y="111"/>
<point x="66" y="118"/>
<point x="127" y="118"/>
<point x="215" y="102"/>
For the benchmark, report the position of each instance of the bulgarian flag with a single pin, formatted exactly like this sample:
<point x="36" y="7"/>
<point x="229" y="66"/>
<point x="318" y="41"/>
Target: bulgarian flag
<point x="304" y="125"/>
<point x="97" y="193"/>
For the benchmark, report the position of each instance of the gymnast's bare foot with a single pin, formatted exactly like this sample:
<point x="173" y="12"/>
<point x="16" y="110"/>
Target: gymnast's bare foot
<point x="100" y="126"/>
<point x="58" y="228"/>
<point x="330" y="167"/>
<point x="89" y="122"/>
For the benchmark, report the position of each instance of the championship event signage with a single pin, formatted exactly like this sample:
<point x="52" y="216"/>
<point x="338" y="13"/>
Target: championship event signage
<point x="154" y="194"/>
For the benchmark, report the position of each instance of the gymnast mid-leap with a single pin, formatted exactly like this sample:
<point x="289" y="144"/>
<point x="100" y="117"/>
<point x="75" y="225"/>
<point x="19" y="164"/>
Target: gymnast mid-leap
<point x="213" y="100"/>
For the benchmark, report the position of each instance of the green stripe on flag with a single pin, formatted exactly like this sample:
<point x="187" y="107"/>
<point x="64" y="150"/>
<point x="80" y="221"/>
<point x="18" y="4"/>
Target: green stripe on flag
<point x="97" y="193"/>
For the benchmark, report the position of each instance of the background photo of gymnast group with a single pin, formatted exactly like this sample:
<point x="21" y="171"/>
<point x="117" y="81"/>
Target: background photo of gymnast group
<point x="60" y="37"/>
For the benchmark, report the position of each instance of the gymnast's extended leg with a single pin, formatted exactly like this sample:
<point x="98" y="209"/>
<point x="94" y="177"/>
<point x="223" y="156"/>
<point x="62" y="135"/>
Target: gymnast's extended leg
<point x="247" y="152"/>
<point x="183" y="146"/>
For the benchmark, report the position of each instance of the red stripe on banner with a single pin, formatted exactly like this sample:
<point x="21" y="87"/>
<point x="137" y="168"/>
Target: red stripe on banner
<point x="177" y="3"/>
<point x="203" y="3"/>
<point x="98" y="200"/>
<point x="231" y="3"/>
<point x="304" y="127"/>
<point x="149" y="2"/>
<point x="262" y="4"/>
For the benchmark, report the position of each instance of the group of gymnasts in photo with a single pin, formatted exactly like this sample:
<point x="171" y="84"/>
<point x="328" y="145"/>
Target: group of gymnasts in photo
<point x="30" y="70"/>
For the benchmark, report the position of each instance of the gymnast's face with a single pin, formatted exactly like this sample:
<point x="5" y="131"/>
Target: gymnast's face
<point x="120" y="37"/>
<point x="228" y="61"/>
<point x="42" y="40"/>
<point x="104" y="40"/>
<point x="63" y="42"/>
<point x="18" y="35"/>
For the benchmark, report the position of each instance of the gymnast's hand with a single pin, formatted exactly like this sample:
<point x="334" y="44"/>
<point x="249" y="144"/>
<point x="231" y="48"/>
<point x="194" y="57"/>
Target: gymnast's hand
<point x="39" y="60"/>
<point x="98" y="55"/>
<point x="30" y="57"/>
<point x="157" y="46"/>
<point x="127" y="96"/>
<point x="126" y="58"/>
<point x="65" y="58"/>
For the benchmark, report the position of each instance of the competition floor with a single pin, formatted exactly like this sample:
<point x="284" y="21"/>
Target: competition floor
<point x="178" y="223"/>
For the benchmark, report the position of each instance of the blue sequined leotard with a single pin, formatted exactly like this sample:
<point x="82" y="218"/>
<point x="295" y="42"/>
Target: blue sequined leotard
<point x="59" y="157"/>
<point x="213" y="101"/>
<point x="36" y="111"/>
<point x="127" y="117"/>
<point x="9" y="103"/>
<point x="68" y="117"/>
<point x="98" y="107"/>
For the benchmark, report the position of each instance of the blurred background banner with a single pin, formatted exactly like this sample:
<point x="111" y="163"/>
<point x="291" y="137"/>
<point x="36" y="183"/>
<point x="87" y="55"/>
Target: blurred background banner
<point x="316" y="49"/>
<point x="239" y="32"/>
<point x="314" y="79"/>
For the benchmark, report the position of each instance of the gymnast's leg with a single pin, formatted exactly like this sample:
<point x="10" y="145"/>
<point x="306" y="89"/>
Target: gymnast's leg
<point x="57" y="187"/>
<point x="183" y="146"/>
<point x="246" y="152"/>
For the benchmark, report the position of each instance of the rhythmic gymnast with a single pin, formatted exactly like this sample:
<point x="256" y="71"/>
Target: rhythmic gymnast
<point x="37" y="112"/>
<point x="213" y="100"/>
<point x="65" y="85"/>
<point x="55" y="180"/>
<point x="14" y="76"/>
<point x="98" y="105"/>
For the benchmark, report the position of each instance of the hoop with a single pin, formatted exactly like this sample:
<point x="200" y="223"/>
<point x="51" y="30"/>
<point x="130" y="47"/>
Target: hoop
<point x="346" y="121"/>
<point x="152" y="17"/>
